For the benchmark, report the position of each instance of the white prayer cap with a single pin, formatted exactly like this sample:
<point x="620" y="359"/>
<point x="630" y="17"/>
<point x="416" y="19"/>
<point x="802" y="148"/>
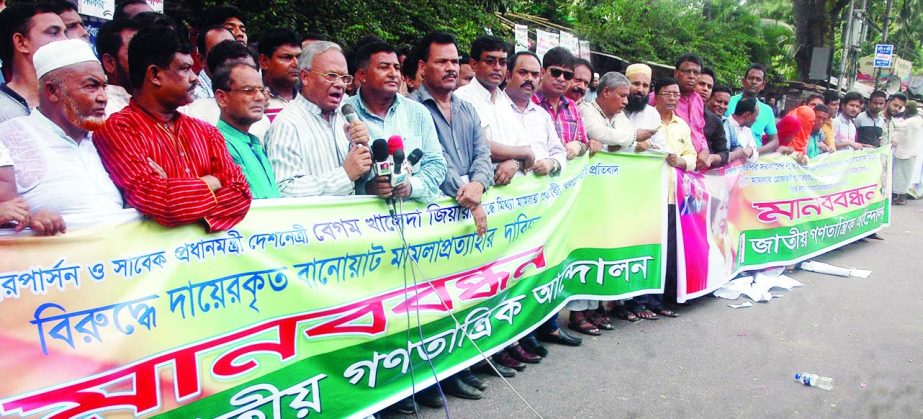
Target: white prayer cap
<point x="60" y="54"/>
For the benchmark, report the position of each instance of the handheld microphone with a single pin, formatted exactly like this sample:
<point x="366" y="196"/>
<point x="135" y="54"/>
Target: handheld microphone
<point x="415" y="156"/>
<point x="397" y="177"/>
<point x="382" y="165"/>
<point x="395" y="142"/>
<point x="349" y="112"/>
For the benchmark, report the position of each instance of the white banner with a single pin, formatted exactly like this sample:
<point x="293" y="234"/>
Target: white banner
<point x="544" y="42"/>
<point x="585" y="50"/>
<point x="522" y="37"/>
<point x="97" y="8"/>
<point x="570" y="42"/>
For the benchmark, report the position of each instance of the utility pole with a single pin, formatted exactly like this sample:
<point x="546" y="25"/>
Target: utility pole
<point x="847" y="43"/>
<point x="884" y="39"/>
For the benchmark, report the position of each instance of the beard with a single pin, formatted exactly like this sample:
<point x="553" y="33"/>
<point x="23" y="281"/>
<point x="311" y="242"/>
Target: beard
<point x="635" y="104"/>
<point x="81" y="119"/>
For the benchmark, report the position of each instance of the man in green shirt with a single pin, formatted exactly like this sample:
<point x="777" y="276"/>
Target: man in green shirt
<point x="242" y="98"/>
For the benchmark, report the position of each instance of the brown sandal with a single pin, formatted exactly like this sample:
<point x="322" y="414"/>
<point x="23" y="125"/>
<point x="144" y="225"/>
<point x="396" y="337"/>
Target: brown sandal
<point x="584" y="326"/>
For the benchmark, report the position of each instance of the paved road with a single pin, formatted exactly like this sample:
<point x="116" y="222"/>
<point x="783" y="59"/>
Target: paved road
<point x="716" y="361"/>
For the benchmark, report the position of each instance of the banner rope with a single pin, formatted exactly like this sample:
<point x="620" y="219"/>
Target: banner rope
<point x="400" y="207"/>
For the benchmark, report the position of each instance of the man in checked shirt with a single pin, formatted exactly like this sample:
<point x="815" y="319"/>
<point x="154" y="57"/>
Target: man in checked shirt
<point x="170" y="167"/>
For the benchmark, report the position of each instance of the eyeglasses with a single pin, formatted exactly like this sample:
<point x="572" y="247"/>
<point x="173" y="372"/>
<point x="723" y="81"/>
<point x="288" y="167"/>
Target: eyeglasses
<point x="251" y="91"/>
<point x="332" y="77"/>
<point x="492" y="61"/>
<point x="670" y="94"/>
<point x="557" y="72"/>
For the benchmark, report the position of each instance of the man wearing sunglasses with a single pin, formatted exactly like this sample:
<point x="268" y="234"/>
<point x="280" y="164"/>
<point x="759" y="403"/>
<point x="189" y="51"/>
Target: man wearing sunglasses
<point x="312" y="149"/>
<point x="557" y="71"/>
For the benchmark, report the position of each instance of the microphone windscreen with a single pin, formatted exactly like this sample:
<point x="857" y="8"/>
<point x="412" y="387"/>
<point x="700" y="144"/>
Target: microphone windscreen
<point x="398" y="157"/>
<point x="415" y="156"/>
<point x="349" y="112"/>
<point x="395" y="143"/>
<point x="380" y="150"/>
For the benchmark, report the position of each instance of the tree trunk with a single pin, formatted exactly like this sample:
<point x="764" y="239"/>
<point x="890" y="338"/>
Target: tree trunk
<point x="812" y="27"/>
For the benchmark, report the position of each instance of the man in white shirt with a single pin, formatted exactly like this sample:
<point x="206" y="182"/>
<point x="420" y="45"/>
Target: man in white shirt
<point x="844" y="127"/>
<point x="605" y="120"/>
<point x="641" y="115"/>
<point x="311" y="147"/>
<point x="509" y="148"/>
<point x="534" y="122"/>
<point x="741" y="143"/>
<point x="58" y="170"/>
<point x="112" y="48"/>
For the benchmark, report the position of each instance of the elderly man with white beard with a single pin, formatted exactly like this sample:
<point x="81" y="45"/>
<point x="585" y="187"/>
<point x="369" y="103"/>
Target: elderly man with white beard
<point x="56" y="166"/>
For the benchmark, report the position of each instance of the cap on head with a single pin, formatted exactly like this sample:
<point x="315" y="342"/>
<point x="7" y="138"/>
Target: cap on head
<point x="638" y="69"/>
<point x="60" y="54"/>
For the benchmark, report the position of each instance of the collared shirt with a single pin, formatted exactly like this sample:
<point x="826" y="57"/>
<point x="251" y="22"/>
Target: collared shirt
<point x="691" y="108"/>
<point x="118" y="98"/>
<point x="135" y="146"/>
<point x="277" y="104"/>
<point x="844" y="130"/>
<point x="765" y="121"/>
<point x="567" y="120"/>
<point x="869" y="130"/>
<point x="413" y="122"/>
<point x="12" y="105"/>
<point x="464" y="144"/>
<point x="538" y="127"/>
<point x="307" y="151"/>
<point x="208" y="111"/>
<point x="56" y="173"/>
<point x="714" y="133"/>
<point x="678" y="140"/>
<point x="203" y="89"/>
<point x="494" y="113"/>
<point x="740" y="137"/>
<point x="247" y="152"/>
<point x="615" y="130"/>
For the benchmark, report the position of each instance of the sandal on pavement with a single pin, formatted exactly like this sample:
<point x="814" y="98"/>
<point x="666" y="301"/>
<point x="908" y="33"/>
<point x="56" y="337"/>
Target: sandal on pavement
<point x="647" y="314"/>
<point x="624" y="314"/>
<point x="663" y="311"/>
<point x="584" y="326"/>
<point x="602" y="321"/>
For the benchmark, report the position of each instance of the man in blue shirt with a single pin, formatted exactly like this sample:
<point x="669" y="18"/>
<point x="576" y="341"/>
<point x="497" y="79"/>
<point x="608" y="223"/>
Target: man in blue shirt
<point x="753" y="83"/>
<point x="386" y="113"/>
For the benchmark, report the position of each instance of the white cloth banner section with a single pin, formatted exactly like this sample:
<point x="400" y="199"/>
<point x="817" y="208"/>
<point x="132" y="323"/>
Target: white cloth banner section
<point x="544" y="42"/>
<point x="157" y="5"/>
<point x="570" y="42"/>
<point x="522" y="37"/>
<point x="98" y="8"/>
<point x="585" y="50"/>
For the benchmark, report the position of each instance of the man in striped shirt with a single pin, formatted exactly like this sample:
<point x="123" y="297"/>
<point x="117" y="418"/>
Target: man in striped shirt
<point x="313" y="150"/>
<point x="171" y="167"/>
<point x="387" y="113"/>
<point x="557" y="71"/>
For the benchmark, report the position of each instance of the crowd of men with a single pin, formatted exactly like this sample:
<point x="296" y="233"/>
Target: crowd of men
<point x="135" y="125"/>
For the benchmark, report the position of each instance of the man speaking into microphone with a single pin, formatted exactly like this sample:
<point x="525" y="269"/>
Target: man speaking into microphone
<point x="315" y="147"/>
<point x="387" y="113"/>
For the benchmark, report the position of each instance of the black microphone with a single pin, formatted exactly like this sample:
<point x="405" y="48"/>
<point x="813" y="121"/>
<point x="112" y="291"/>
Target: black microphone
<point x="397" y="177"/>
<point x="415" y="156"/>
<point x="382" y="166"/>
<point x="349" y="112"/>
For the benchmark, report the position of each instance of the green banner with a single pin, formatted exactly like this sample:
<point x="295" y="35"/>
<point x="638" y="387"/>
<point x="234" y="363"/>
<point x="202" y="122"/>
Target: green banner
<point x="315" y="306"/>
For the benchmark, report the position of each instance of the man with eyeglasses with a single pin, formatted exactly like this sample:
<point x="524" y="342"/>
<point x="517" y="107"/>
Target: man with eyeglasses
<point x="170" y="167"/>
<point x="753" y="83"/>
<point x="509" y="148"/>
<point x="311" y="147"/>
<point x="240" y="94"/>
<point x="557" y="71"/>
<point x="690" y="107"/>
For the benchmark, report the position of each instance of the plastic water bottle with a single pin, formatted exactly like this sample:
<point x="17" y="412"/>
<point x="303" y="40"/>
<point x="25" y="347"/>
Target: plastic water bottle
<point x="814" y="380"/>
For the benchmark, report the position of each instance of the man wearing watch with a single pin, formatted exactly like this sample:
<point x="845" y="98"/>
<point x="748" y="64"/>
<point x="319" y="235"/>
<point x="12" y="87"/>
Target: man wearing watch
<point x="534" y="122"/>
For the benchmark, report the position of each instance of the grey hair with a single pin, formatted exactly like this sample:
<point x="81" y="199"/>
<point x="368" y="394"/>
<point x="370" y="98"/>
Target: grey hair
<point x="317" y="47"/>
<point x="611" y="80"/>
